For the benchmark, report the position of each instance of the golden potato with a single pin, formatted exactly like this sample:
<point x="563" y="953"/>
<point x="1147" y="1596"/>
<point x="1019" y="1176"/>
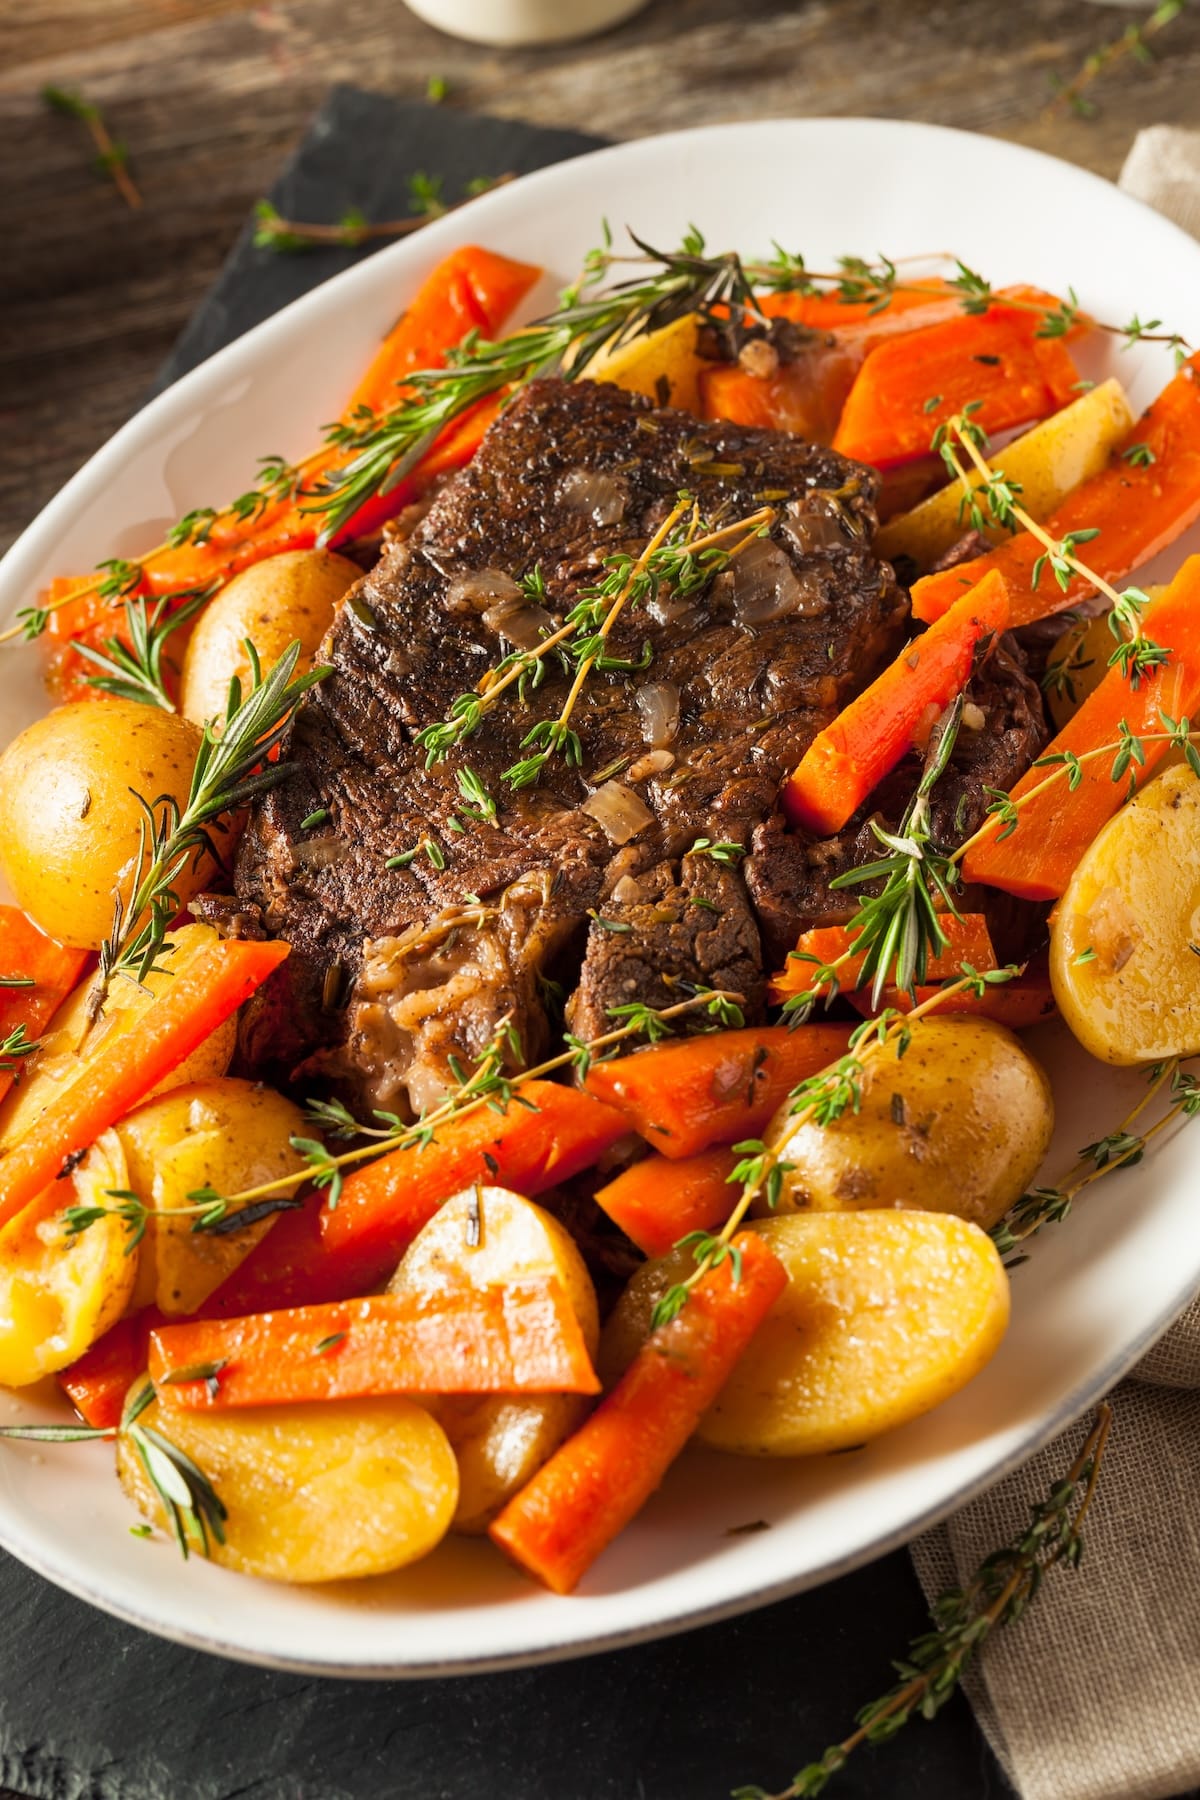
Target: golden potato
<point x="273" y="602"/>
<point x="60" y="1291"/>
<point x="70" y="826"/>
<point x="313" y="1493"/>
<point x="225" y="1134"/>
<point x="663" y="364"/>
<point x="886" y="1314"/>
<point x="500" y="1440"/>
<point x="958" y="1124"/>
<point x="71" y="1041"/>
<point x="1123" y="965"/>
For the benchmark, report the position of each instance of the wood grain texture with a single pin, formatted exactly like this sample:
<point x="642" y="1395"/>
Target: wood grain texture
<point x="209" y="94"/>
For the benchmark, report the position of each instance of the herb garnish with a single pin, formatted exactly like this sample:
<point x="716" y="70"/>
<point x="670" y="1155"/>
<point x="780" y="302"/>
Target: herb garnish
<point x="112" y="158"/>
<point x="133" y="670"/>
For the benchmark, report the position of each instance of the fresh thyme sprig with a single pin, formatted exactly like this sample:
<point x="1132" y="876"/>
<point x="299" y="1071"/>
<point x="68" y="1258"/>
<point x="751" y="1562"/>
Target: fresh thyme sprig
<point x="133" y="670"/>
<point x="1134" y="42"/>
<point x="112" y="158"/>
<point x="194" y="1509"/>
<point x="232" y="767"/>
<point x="1135" y="654"/>
<point x="274" y="232"/>
<point x="15" y="1047"/>
<point x="1000" y="1590"/>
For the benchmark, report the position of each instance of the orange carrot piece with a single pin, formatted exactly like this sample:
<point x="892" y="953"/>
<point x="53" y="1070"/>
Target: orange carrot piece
<point x="315" y="1254"/>
<point x="1138" y="507"/>
<point x="714" y="1088"/>
<point x="656" y="1202"/>
<point x="846" y="762"/>
<point x="825" y="312"/>
<point x="198" y="1000"/>
<point x="1037" y="860"/>
<point x="98" y="1381"/>
<point x="910" y="385"/>
<point x="805" y="396"/>
<point x="558" y="1524"/>
<point x="969" y="941"/>
<point x="519" y="1337"/>
<point x="1025" y="1001"/>
<point x="28" y="954"/>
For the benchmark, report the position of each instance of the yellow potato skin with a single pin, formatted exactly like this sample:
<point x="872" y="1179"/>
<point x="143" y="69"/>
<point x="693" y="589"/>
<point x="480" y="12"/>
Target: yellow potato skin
<point x="958" y="1124"/>
<point x="315" y="1492"/>
<point x="273" y="602"/>
<point x="226" y="1134"/>
<point x="1132" y="907"/>
<point x="885" y="1315"/>
<point x="69" y="824"/>
<point x="59" y="1292"/>
<point x="661" y="362"/>
<point x="500" y="1440"/>
<point x="72" y="1040"/>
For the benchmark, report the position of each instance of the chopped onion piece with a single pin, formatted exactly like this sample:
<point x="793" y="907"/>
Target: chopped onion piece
<point x="603" y="497"/>
<point x="319" y="853"/>
<point x="521" y="623"/>
<point x="973" y="717"/>
<point x="479" y="590"/>
<point x="655" y="762"/>
<point x="765" y="586"/>
<point x="618" y="812"/>
<point x="658" y="703"/>
<point x="628" y="891"/>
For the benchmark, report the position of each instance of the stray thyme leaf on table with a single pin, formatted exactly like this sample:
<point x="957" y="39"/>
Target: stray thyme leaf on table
<point x="112" y="158"/>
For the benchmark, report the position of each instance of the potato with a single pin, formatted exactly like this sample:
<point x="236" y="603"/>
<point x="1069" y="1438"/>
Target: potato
<point x="1048" y="461"/>
<point x="886" y="1314"/>
<point x="1083" y="651"/>
<point x="60" y="1291"/>
<point x="272" y="603"/>
<point x="226" y="1134"/>
<point x="958" y="1124"/>
<point x="70" y="826"/>
<point x="1123" y="965"/>
<point x="664" y="365"/>
<point x="70" y="1042"/>
<point x="500" y="1440"/>
<point x="313" y="1493"/>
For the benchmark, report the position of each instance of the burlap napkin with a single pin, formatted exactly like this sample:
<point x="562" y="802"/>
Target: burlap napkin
<point x="1095" y="1694"/>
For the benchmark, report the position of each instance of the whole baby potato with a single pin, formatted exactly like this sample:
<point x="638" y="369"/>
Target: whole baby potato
<point x="273" y="602"/>
<point x="70" y="823"/>
<point x="313" y="1493"/>
<point x="959" y="1123"/>
<point x="1123" y="960"/>
<point x="224" y="1134"/>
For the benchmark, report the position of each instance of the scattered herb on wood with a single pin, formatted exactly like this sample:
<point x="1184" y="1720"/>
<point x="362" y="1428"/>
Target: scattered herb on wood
<point x="1132" y="45"/>
<point x="112" y="158"/>
<point x="272" y="231"/>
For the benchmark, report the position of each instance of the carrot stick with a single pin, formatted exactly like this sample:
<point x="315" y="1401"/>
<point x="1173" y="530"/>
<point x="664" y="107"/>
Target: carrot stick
<point x="1025" y="1001"/>
<point x="519" y="1337"/>
<point x="125" y="1069"/>
<point x="969" y="940"/>
<point x="714" y="1088"/>
<point x="558" y="1524"/>
<point x="1054" y="829"/>
<point x="909" y="386"/>
<point x="98" y="1381"/>
<point x="846" y="762"/>
<point x="28" y="954"/>
<point x="318" y="1254"/>
<point x="1138" y="506"/>
<point x="656" y="1202"/>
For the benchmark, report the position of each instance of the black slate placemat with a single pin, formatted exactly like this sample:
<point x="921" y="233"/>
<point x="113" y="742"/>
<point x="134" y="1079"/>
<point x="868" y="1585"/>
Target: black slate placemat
<point x="91" y="1709"/>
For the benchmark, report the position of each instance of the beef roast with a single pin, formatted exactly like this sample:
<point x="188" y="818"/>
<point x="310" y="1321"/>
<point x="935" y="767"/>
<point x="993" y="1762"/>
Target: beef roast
<point x="397" y="969"/>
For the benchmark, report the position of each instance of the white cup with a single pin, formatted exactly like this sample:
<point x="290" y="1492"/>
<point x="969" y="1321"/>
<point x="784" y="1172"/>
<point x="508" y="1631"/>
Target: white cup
<point x="514" y="22"/>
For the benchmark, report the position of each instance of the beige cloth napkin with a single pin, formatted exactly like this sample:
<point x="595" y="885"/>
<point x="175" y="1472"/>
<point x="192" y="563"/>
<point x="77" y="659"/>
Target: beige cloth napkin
<point x="1095" y="1694"/>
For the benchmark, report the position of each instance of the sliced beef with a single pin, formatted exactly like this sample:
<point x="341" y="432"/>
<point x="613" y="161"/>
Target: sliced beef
<point x="396" y="969"/>
<point x="790" y="873"/>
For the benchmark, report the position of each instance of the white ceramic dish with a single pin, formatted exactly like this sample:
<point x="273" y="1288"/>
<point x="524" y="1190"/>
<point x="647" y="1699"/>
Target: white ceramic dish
<point x="1097" y="1291"/>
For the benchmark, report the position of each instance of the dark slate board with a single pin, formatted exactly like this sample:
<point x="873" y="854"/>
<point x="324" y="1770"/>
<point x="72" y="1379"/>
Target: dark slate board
<point x="91" y="1709"/>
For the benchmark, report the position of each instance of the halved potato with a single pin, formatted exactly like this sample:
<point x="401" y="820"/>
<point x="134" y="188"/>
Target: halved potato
<point x="60" y="1291"/>
<point x="885" y="1315"/>
<point x="71" y="1041"/>
<point x="1123" y="960"/>
<point x="483" y="1237"/>
<point x="225" y="1134"/>
<point x="664" y="365"/>
<point x="313" y="1493"/>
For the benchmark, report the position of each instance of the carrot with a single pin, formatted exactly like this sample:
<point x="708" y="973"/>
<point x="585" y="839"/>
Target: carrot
<point x="124" y="1070"/>
<point x="970" y="941"/>
<point x="1053" y="830"/>
<point x="1026" y="1000"/>
<point x="27" y="954"/>
<point x="317" y="1254"/>
<point x="909" y="386"/>
<point x="714" y="1088"/>
<point x="1139" y="506"/>
<point x="826" y="312"/>
<point x="558" y="1524"/>
<point x="98" y="1381"/>
<point x="656" y="1202"/>
<point x="519" y="1337"/>
<point x="846" y="762"/>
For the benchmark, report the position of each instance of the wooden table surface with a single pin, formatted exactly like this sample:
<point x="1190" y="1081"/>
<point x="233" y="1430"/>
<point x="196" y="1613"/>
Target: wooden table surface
<point x="208" y="95"/>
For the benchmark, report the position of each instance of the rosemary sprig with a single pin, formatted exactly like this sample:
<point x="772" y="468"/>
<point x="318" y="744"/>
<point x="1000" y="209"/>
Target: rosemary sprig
<point x="1000" y="1590"/>
<point x="273" y="231"/>
<point x="1134" y="42"/>
<point x="232" y="767"/>
<point x="112" y="158"/>
<point x="16" y="1046"/>
<point x="133" y="670"/>
<point x="1135" y="654"/>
